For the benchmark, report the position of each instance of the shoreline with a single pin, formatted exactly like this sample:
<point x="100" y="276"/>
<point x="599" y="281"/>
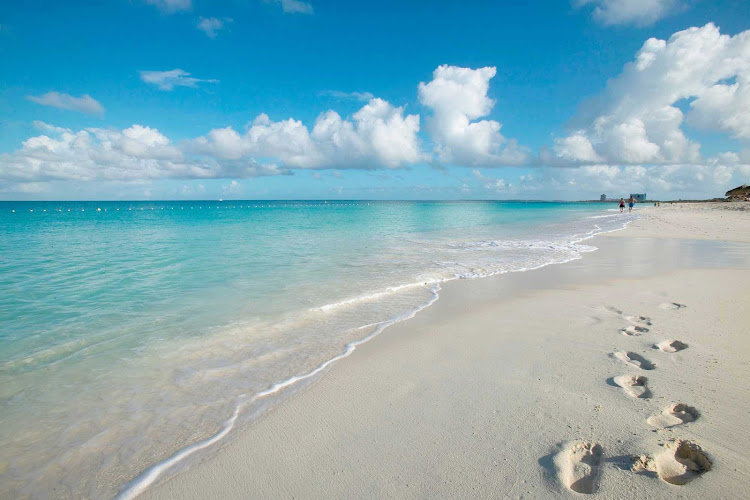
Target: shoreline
<point x="173" y="464"/>
<point x="480" y="291"/>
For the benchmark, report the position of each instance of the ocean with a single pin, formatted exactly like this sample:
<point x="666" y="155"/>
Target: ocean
<point x="134" y="336"/>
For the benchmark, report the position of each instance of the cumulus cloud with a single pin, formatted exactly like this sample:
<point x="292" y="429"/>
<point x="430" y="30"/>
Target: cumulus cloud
<point x="212" y="25"/>
<point x="135" y="153"/>
<point x="725" y="106"/>
<point x="293" y="6"/>
<point x="698" y="75"/>
<point x="458" y="97"/>
<point x="168" y="80"/>
<point x="378" y="135"/>
<point x="171" y="6"/>
<point x="84" y="104"/>
<point x="635" y="12"/>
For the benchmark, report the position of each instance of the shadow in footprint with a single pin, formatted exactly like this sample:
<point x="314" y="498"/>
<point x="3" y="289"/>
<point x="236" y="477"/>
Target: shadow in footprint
<point x="639" y="319"/>
<point x="671" y="346"/>
<point x="671" y="306"/>
<point x="635" y="359"/>
<point x="634" y="386"/>
<point x="633" y="331"/>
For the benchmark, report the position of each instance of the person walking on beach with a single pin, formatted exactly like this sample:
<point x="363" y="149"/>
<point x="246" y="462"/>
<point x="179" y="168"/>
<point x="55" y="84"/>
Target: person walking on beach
<point x="631" y="202"/>
<point x="622" y="205"/>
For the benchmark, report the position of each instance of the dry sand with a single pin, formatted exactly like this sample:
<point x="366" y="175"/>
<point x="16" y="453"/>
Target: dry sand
<point x="532" y="385"/>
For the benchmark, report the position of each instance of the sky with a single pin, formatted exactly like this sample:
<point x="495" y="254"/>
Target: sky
<point x="297" y="99"/>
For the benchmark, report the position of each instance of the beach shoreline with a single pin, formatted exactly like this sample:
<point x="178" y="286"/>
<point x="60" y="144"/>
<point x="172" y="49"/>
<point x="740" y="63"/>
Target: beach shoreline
<point x="414" y="412"/>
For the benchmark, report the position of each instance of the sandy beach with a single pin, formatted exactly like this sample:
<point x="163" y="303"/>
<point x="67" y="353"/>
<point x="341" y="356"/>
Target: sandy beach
<point x="622" y="375"/>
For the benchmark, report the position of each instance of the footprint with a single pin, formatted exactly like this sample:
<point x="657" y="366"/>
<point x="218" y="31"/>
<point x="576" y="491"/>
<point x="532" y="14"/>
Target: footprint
<point x="634" y="359"/>
<point x="613" y="309"/>
<point x="633" y="330"/>
<point x="671" y="346"/>
<point x="594" y="320"/>
<point x="643" y="320"/>
<point x="671" y="306"/>
<point x="681" y="462"/>
<point x="634" y="385"/>
<point x="579" y="466"/>
<point x="676" y="414"/>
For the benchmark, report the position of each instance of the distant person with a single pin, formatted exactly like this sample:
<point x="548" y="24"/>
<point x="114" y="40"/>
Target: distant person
<point x="631" y="202"/>
<point x="622" y="205"/>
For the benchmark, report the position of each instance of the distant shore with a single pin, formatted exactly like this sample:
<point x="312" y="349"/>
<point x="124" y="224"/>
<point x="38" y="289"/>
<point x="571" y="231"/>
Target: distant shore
<point x="532" y="384"/>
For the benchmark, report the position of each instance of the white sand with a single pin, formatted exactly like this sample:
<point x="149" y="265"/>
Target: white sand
<point x="508" y="387"/>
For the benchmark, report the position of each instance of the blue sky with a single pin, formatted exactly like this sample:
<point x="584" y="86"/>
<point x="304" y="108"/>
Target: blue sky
<point x="135" y="99"/>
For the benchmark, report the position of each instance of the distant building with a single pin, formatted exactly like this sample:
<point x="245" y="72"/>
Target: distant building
<point x="640" y="198"/>
<point x="603" y="197"/>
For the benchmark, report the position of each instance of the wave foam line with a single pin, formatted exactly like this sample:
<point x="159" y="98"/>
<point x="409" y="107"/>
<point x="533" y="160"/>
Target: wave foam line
<point x="148" y="476"/>
<point x="371" y="296"/>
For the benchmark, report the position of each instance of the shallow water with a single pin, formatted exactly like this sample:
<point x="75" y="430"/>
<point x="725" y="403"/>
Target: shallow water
<point x="132" y="330"/>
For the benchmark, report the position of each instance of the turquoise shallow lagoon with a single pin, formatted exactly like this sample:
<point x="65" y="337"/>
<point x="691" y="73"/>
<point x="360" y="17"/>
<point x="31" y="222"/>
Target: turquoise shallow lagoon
<point x="132" y="330"/>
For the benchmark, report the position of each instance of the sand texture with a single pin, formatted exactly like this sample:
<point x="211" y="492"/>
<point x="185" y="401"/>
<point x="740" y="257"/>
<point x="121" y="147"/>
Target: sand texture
<point x="621" y="375"/>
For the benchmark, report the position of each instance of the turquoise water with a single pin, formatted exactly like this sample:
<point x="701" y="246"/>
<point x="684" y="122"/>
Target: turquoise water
<point x="132" y="330"/>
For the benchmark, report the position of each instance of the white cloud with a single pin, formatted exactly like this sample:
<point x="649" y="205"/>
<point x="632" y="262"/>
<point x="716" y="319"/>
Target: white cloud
<point x="490" y="183"/>
<point x="135" y="153"/>
<point x="357" y="96"/>
<point x="711" y="179"/>
<point x="378" y="135"/>
<point x="212" y="25"/>
<point x="576" y="147"/>
<point x="725" y="107"/>
<point x="294" y="6"/>
<point x="84" y="104"/>
<point x="192" y="190"/>
<point x="635" y="12"/>
<point x="234" y="188"/>
<point x="457" y="96"/>
<point x="638" y="119"/>
<point x="171" y="6"/>
<point x="168" y="80"/>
